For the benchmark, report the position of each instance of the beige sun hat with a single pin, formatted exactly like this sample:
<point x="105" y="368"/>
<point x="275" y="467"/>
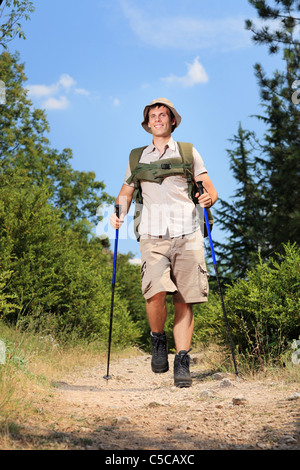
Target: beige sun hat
<point x="165" y="102"/>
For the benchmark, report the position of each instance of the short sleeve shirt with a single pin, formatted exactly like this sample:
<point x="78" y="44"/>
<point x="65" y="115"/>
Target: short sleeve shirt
<point x="167" y="208"/>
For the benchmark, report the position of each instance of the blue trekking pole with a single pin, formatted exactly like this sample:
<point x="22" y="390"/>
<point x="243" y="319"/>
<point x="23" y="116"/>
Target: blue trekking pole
<point x="107" y="376"/>
<point x="200" y="189"/>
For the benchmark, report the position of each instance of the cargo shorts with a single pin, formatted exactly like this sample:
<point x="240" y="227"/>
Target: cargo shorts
<point x="176" y="266"/>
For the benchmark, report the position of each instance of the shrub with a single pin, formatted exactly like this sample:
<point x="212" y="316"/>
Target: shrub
<point x="60" y="280"/>
<point x="264" y="309"/>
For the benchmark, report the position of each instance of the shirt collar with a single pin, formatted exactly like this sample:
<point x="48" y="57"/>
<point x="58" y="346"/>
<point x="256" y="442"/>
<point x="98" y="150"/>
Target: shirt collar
<point x="170" y="144"/>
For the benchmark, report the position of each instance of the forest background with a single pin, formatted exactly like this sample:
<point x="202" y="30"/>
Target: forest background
<point x="56" y="275"/>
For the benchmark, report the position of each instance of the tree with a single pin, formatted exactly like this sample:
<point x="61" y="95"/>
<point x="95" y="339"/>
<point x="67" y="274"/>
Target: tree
<point x="265" y="212"/>
<point x="10" y="25"/>
<point x="280" y="151"/>
<point x="242" y="219"/>
<point x="50" y="276"/>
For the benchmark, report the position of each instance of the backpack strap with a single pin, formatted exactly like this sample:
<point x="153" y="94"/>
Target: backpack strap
<point x="134" y="159"/>
<point x="135" y="156"/>
<point x="186" y="151"/>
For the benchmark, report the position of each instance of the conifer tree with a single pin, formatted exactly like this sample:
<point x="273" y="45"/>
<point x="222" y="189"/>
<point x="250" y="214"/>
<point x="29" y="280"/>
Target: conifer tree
<point x="265" y="212"/>
<point x="280" y="150"/>
<point x="242" y="218"/>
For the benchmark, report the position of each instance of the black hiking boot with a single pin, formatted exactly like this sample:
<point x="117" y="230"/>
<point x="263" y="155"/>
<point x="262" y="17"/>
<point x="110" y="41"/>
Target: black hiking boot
<point x="182" y="376"/>
<point x="159" y="362"/>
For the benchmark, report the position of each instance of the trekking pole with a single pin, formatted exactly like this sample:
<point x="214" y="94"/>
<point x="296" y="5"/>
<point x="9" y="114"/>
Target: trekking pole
<point x="107" y="376"/>
<point x="200" y="189"/>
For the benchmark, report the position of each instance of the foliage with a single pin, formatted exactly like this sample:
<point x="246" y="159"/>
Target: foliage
<point x="11" y="13"/>
<point x="209" y="322"/>
<point x="25" y="146"/>
<point x="264" y="309"/>
<point x="265" y="211"/>
<point x="60" y="281"/>
<point x="128" y="287"/>
<point x="243" y="219"/>
<point x="6" y="305"/>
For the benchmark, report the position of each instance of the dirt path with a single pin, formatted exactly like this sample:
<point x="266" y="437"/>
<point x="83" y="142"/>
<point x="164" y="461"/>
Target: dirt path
<point x="137" y="410"/>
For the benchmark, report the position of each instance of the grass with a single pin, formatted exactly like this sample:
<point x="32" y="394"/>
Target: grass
<point x="32" y="363"/>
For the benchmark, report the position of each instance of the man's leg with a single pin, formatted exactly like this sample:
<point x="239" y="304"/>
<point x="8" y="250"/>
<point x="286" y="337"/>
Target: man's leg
<point x="157" y="314"/>
<point x="183" y="330"/>
<point x="183" y="326"/>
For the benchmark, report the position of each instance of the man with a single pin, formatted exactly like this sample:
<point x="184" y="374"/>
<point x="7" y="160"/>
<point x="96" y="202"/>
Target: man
<point x="171" y="242"/>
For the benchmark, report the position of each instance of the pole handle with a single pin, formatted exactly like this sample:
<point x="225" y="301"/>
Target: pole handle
<point x="118" y="210"/>
<point x="200" y="187"/>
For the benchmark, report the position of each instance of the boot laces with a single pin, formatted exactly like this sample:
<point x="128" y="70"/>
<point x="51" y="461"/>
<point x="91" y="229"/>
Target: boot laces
<point x="184" y="359"/>
<point x="158" y="343"/>
<point x="183" y="355"/>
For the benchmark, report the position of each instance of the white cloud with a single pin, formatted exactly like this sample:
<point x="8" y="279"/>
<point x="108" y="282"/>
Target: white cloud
<point x="66" y="81"/>
<point x="40" y="91"/>
<point x="82" y="91"/>
<point x="186" y="32"/>
<point x="53" y="92"/>
<point x="196" y="74"/>
<point x="56" y="103"/>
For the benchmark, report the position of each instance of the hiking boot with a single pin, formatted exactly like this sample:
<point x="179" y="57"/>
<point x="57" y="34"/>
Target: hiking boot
<point x="182" y="376"/>
<point x="159" y="362"/>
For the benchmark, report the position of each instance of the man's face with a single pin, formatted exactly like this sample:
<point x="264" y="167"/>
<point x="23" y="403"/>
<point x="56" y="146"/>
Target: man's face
<point x="160" y="122"/>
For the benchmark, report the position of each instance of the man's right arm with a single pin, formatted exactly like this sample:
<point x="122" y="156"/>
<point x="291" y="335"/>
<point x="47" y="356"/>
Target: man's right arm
<point x="124" y="199"/>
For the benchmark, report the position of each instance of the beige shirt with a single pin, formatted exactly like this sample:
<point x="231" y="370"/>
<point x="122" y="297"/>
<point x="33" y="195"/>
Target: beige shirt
<point x="167" y="208"/>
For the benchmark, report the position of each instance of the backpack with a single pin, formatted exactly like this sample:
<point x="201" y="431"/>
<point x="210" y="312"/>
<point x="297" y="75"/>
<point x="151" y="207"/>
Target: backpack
<point x="157" y="171"/>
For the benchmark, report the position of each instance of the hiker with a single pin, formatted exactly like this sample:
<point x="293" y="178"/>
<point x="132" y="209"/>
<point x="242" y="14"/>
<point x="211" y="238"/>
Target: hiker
<point x="169" y="233"/>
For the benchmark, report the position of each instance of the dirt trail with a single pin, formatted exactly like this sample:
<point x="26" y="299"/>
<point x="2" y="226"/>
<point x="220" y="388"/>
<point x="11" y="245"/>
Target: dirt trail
<point x="137" y="410"/>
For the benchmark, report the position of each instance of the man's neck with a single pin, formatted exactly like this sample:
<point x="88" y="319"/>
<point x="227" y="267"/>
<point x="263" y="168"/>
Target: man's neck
<point x="161" y="142"/>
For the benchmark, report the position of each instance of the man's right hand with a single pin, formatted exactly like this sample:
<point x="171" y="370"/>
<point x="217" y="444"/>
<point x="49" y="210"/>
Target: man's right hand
<point x="115" y="221"/>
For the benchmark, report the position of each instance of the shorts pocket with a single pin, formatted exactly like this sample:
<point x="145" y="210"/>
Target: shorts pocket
<point x="146" y="281"/>
<point x="203" y="280"/>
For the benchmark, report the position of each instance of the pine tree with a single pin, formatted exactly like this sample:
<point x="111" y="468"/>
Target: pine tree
<point x="242" y="219"/>
<point x="280" y="151"/>
<point x="265" y="212"/>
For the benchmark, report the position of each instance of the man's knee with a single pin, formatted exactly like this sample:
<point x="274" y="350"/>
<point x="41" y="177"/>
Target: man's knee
<point x="159" y="297"/>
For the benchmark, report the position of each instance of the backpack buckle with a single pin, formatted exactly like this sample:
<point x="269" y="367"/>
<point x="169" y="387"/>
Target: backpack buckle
<point x="165" y="166"/>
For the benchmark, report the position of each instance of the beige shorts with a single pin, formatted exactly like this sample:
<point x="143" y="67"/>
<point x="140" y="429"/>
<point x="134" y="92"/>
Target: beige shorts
<point x="175" y="265"/>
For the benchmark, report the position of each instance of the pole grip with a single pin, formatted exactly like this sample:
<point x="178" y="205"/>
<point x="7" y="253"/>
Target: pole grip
<point x="200" y="187"/>
<point x="118" y="210"/>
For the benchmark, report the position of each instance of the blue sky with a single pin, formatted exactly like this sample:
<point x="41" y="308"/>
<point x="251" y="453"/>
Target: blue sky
<point x="94" y="65"/>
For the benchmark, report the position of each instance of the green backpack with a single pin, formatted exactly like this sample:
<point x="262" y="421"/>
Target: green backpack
<point x="157" y="171"/>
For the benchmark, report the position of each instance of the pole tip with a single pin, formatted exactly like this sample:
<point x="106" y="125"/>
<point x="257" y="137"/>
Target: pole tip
<point x="107" y="377"/>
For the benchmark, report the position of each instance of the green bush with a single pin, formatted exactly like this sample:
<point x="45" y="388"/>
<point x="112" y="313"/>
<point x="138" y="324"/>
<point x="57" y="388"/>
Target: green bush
<point x="59" y="280"/>
<point x="264" y="309"/>
<point x="6" y="299"/>
<point x="209" y="323"/>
